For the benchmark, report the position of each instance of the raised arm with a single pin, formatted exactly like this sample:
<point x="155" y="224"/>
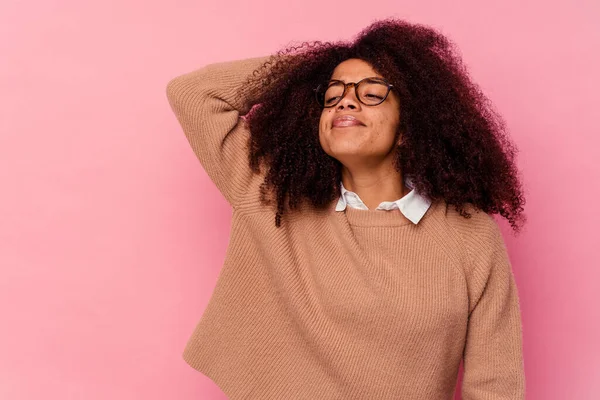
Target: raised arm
<point x="493" y="354"/>
<point x="208" y="104"/>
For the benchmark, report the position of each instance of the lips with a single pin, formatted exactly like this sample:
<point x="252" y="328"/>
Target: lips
<point x="346" y="120"/>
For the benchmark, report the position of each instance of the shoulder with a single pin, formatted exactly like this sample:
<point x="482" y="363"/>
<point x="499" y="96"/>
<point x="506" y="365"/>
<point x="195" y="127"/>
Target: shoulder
<point x="484" y="247"/>
<point x="477" y="238"/>
<point x="479" y="226"/>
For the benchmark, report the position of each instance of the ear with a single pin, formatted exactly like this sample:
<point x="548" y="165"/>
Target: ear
<point x="399" y="138"/>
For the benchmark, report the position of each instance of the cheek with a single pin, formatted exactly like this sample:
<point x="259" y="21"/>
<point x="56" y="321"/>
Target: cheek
<point x="385" y="128"/>
<point x="389" y="121"/>
<point x="321" y="122"/>
<point x="324" y="120"/>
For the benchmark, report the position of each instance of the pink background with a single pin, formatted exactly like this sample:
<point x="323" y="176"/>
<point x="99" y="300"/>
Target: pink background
<point x="112" y="236"/>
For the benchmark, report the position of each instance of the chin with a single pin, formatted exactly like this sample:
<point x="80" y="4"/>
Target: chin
<point x="345" y="154"/>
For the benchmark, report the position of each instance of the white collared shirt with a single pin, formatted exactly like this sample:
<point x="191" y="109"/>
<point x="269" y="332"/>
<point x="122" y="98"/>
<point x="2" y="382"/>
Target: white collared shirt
<point x="412" y="205"/>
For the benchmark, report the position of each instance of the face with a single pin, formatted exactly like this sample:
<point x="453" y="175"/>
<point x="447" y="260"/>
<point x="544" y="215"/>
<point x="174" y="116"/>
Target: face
<point x="375" y="138"/>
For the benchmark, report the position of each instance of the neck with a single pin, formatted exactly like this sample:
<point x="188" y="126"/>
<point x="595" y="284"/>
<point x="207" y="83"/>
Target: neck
<point x="375" y="185"/>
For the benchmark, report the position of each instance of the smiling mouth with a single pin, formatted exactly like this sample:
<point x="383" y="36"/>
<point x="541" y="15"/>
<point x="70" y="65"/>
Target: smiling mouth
<point x="346" y="123"/>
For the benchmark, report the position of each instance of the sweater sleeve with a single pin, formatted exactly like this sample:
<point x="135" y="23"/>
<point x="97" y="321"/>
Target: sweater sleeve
<point x="208" y="103"/>
<point x="493" y="356"/>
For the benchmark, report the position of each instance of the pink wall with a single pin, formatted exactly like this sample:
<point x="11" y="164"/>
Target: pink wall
<point x="112" y="236"/>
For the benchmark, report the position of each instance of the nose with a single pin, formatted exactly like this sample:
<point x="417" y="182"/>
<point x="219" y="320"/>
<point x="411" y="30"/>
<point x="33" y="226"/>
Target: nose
<point x="349" y="98"/>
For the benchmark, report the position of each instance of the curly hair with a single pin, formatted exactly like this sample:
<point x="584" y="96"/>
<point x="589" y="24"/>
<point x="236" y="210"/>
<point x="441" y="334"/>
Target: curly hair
<point x="454" y="143"/>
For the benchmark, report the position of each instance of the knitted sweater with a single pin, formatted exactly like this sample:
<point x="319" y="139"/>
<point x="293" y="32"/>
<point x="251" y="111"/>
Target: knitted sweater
<point x="359" y="304"/>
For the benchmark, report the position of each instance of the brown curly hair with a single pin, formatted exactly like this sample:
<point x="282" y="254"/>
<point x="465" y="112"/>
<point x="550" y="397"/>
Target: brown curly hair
<point x="454" y="143"/>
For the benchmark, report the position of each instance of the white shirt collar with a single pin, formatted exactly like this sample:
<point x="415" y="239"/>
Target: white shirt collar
<point x="412" y="205"/>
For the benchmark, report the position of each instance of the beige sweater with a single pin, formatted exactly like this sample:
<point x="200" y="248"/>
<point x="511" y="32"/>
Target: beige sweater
<point x="359" y="304"/>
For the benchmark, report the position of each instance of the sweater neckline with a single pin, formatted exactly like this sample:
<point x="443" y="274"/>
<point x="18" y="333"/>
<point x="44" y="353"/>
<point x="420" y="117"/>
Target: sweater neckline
<point x="366" y="218"/>
<point x="358" y="217"/>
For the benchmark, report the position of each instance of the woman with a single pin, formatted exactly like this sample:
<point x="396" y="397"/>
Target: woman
<point x="383" y="269"/>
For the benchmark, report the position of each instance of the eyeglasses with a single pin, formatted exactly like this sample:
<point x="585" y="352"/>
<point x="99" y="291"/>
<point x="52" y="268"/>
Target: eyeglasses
<point x="369" y="91"/>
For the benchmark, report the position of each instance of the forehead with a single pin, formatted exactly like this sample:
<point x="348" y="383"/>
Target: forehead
<point x="353" y="70"/>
